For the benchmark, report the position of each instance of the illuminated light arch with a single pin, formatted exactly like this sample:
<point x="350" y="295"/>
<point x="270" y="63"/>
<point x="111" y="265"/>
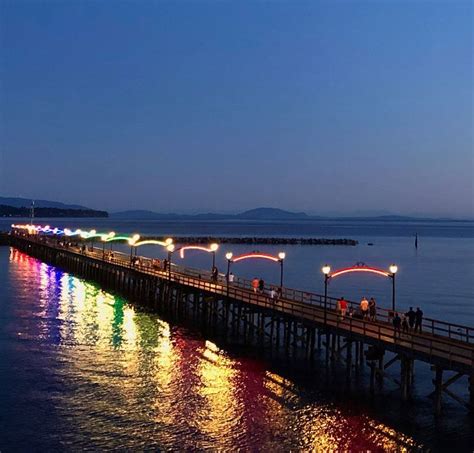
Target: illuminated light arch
<point x="118" y="238"/>
<point x="358" y="268"/>
<point x="164" y="243"/>
<point x="69" y="232"/>
<point x="255" y="255"/>
<point x="26" y="227"/>
<point x="210" y="249"/>
<point x="91" y="234"/>
<point x="106" y="236"/>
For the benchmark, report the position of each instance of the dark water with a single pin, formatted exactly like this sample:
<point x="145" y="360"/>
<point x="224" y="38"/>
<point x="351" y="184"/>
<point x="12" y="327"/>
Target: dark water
<point x="82" y="369"/>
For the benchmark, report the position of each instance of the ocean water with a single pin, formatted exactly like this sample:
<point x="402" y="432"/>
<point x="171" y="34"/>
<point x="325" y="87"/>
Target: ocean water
<point x="81" y="368"/>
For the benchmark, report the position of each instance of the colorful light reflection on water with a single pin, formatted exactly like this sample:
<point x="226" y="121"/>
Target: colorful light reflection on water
<point x="115" y="377"/>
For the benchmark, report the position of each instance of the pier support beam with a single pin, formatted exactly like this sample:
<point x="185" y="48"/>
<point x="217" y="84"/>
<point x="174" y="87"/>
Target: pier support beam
<point x="438" y="383"/>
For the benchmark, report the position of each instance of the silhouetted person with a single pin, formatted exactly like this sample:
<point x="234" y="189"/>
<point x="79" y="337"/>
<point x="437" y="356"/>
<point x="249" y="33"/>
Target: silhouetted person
<point x="411" y="315"/>
<point x="397" y="322"/>
<point x="372" y="309"/>
<point x="405" y="324"/>
<point x="278" y="294"/>
<point x="418" y="319"/>
<point x="215" y="273"/>
<point x="261" y="285"/>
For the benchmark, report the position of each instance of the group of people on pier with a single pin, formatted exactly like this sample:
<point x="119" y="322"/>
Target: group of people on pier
<point x="409" y="322"/>
<point x="367" y="309"/>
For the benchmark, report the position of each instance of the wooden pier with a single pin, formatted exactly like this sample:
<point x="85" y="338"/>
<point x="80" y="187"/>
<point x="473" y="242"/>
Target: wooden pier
<point x="295" y="322"/>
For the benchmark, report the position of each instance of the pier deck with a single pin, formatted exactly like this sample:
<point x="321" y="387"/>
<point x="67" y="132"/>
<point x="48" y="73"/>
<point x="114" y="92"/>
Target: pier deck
<point x="445" y="346"/>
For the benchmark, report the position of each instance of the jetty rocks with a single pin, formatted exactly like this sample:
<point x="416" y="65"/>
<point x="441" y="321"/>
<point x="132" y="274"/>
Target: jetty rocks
<point x="262" y="240"/>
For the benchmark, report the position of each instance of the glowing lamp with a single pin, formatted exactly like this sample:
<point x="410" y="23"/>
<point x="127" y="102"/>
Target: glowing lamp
<point x="169" y="241"/>
<point x="170" y="247"/>
<point x="326" y="269"/>
<point x="393" y="268"/>
<point x="214" y="247"/>
<point x="282" y="255"/>
<point x="106" y="237"/>
<point x="229" y="255"/>
<point x="134" y="239"/>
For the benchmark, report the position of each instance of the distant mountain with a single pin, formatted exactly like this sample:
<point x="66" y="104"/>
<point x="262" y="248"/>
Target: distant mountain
<point x="26" y="203"/>
<point x="253" y="214"/>
<point x="135" y="214"/>
<point x="271" y="214"/>
<point x="264" y="214"/>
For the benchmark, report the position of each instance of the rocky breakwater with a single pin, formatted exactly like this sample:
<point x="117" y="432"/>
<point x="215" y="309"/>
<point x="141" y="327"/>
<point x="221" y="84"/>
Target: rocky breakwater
<point x="261" y="240"/>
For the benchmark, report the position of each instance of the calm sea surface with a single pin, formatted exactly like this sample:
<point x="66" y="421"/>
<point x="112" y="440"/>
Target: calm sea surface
<point x="81" y="368"/>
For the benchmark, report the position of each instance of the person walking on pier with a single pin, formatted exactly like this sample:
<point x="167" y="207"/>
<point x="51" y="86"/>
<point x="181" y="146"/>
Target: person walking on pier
<point x="411" y="315"/>
<point x="261" y="285"/>
<point x="272" y="294"/>
<point x="372" y="309"/>
<point x="405" y="324"/>
<point x="231" y="278"/>
<point x="397" y="322"/>
<point x="343" y="306"/>
<point x="364" y="307"/>
<point x="418" y="319"/>
<point x="215" y="274"/>
<point x="255" y="284"/>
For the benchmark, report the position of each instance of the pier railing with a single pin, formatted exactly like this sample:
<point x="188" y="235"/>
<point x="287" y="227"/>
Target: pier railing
<point x="303" y="300"/>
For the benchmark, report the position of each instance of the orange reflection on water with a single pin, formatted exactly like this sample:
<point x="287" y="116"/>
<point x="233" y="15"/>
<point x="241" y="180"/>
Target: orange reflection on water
<point x="219" y="412"/>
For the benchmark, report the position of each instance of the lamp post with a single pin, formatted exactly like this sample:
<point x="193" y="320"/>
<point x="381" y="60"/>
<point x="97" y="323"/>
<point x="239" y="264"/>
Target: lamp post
<point x="326" y="271"/>
<point x="393" y="270"/>
<point x="134" y="239"/>
<point x="214" y="248"/>
<point x="281" y="257"/>
<point x="170" y="248"/>
<point x="228" y="257"/>
<point x="92" y="233"/>
<point x="104" y="238"/>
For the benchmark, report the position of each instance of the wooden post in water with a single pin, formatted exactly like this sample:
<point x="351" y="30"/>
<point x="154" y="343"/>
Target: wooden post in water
<point x="438" y="382"/>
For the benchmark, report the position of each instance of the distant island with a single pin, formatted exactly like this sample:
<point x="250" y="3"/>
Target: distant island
<point x="17" y="202"/>
<point x="21" y="207"/>
<point x="10" y="211"/>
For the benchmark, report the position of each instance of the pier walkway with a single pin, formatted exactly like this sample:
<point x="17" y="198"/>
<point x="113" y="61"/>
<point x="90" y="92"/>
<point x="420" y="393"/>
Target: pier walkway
<point x="295" y="316"/>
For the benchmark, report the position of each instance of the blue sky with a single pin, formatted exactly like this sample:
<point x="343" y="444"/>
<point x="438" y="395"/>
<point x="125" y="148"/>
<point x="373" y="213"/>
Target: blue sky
<point x="327" y="107"/>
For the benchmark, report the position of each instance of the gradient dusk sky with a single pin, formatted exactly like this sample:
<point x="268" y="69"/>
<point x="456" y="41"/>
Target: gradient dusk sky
<point x="184" y="106"/>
